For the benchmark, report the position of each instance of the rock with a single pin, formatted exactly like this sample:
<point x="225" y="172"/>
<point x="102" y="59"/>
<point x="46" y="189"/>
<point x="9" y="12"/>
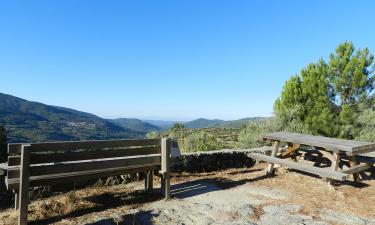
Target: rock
<point x="286" y="214"/>
<point x="117" y="218"/>
<point x="282" y="209"/>
<point x="112" y="181"/>
<point x="163" y="219"/>
<point x="202" y="207"/>
<point x="246" y="210"/>
<point x="345" y="218"/>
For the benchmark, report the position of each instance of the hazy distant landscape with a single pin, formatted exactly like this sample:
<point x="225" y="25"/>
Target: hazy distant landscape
<point x="27" y="121"/>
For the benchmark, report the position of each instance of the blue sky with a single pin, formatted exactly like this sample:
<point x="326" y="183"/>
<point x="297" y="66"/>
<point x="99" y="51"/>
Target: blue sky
<point x="170" y="59"/>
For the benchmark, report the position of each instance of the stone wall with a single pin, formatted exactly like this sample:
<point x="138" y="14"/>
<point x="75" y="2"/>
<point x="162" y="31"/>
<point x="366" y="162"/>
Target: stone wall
<point x="208" y="161"/>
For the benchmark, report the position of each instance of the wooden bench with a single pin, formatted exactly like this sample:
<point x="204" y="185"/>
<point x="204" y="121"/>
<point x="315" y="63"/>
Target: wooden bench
<point x="333" y="149"/>
<point x="38" y="164"/>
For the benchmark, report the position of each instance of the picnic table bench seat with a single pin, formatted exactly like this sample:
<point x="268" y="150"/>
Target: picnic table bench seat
<point x="302" y="167"/>
<point x="334" y="149"/>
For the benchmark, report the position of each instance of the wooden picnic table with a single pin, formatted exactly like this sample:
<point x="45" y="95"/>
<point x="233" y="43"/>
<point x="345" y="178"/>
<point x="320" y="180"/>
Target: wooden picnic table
<point x="334" y="149"/>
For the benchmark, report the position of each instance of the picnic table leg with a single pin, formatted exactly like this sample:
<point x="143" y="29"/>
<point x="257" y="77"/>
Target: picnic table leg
<point x="353" y="162"/>
<point x="276" y="146"/>
<point x="335" y="161"/>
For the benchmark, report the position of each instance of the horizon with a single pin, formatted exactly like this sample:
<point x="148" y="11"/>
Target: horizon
<point x="174" y="61"/>
<point x="142" y="119"/>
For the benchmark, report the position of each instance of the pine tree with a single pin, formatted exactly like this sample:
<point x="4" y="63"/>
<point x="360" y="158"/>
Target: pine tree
<point x="352" y="78"/>
<point x="305" y="100"/>
<point x="327" y="98"/>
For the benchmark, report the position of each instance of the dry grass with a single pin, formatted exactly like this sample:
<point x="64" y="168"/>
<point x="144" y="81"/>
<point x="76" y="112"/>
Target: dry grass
<point x="314" y="194"/>
<point x="86" y="205"/>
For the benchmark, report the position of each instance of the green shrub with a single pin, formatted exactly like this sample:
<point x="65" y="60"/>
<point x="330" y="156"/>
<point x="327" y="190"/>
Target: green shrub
<point x="202" y="141"/>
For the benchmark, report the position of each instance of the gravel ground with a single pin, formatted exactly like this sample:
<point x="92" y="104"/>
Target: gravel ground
<point x="237" y="196"/>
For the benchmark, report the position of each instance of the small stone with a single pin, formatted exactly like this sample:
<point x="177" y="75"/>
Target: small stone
<point x="117" y="218"/>
<point x="246" y="210"/>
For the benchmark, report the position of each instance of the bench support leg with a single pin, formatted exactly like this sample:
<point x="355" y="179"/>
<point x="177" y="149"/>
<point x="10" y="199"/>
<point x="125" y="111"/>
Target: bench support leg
<point x="16" y="200"/>
<point x="149" y="178"/>
<point x="276" y="146"/>
<point x="353" y="162"/>
<point x="167" y="186"/>
<point x="165" y="170"/>
<point x="24" y="185"/>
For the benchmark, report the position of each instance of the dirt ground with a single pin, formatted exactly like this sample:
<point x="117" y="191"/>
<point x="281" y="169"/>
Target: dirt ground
<point x="221" y="195"/>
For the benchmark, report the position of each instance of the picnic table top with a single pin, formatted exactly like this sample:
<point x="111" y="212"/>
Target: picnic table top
<point x="333" y="144"/>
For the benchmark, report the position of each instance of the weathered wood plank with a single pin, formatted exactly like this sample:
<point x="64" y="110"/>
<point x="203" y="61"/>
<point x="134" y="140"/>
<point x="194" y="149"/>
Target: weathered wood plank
<point x="87" y="155"/>
<point x="14" y="160"/>
<point x="14" y="148"/>
<point x="13" y="184"/>
<point x="357" y="168"/>
<point x="290" y="150"/>
<point x="78" y="166"/>
<point x="149" y="180"/>
<point x="276" y="146"/>
<point x="165" y="170"/>
<point x="302" y="167"/>
<point x="24" y="185"/>
<point x="74" y="145"/>
<point x="334" y="144"/>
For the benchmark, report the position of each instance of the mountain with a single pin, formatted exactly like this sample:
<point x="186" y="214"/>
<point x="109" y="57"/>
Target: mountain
<point x="28" y="121"/>
<point x="135" y="124"/>
<point x="162" y="124"/>
<point x="239" y="123"/>
<point x="203" y="123"/>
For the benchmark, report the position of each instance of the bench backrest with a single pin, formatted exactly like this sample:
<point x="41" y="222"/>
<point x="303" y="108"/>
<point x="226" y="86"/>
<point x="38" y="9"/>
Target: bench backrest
<point x="57" y="162"/>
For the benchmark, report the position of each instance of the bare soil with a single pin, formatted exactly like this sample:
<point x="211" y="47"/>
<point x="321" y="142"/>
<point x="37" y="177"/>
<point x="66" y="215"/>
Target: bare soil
<point x="225" y="191"/>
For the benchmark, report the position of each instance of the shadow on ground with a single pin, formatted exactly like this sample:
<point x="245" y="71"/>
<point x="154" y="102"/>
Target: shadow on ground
<point x="107" y="201"/>
<point x="139" y="218"/>
<point x="206" y="185"/>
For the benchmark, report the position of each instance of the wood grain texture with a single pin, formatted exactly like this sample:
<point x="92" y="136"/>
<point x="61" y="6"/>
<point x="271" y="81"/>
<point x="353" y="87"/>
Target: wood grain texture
<point x="333" y="144"/>
<point x="302" y="167"/>
<point x="74" y="145"/>
<point x="357" y="168"/>
<point x="80" y="166"/>
<point x="24" y="185"/>
<point x="85" y="155"/>
<point x="275" y="150"/>
<point x="13" y="184"/>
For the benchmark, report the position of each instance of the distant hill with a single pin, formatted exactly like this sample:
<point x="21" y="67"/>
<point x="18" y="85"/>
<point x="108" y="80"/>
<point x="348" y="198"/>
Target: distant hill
<point x="203" y="123"/>
<point x="135" y="124"/>
<point x="239" y="123"/>
<point x="162" y="124"/>
<point x="206" y="123"/>
<point x="27" y="121"/>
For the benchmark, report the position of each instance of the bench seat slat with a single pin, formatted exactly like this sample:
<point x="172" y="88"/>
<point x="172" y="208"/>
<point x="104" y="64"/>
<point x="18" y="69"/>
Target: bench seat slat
<point x="323" y="172"/>
<point x="78" y="176"/>
<point x="72" y="145"/>
<point x="85" y="155"/>
<point x="77" y="166"/>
